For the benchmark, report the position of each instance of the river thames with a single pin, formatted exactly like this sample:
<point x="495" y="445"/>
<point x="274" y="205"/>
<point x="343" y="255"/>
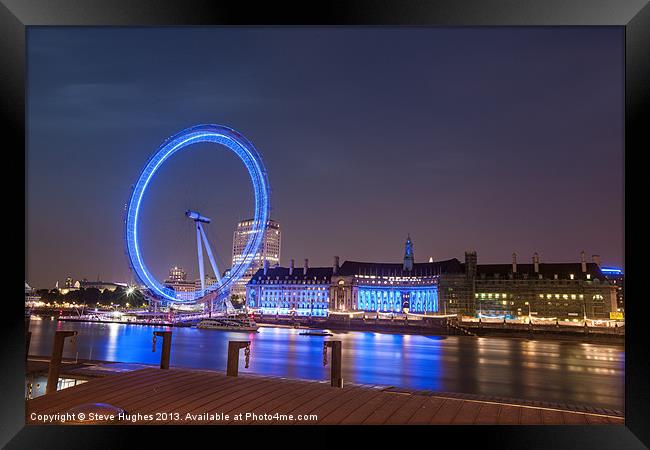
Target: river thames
<point x="544" y="370"/>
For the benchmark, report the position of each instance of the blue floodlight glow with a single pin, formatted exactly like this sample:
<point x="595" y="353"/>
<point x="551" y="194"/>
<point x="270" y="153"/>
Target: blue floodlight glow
<point x="245" y="150"/>
<point x="390" y="299"/>
<point x="612" y="270"/>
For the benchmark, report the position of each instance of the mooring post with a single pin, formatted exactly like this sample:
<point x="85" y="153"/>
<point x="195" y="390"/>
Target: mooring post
<point x="336" y="377"/>
<point x="232" y="369"/>
<point x="55" y="360"/>
<point x="166" y="347"/>
<point x="28" y="336"/>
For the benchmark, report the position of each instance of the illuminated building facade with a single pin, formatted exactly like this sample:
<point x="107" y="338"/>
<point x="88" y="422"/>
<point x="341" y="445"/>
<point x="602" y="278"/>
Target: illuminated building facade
<point x="30" y="295"/>
<point x="616" y="277"/>
<point x="176" y="274"/>
<point x="563" y="291"/>
<point x="69" y="283"/>
<point x="269" y="251"/>
<point x="390" y="287"/>
<point x="353" y="286"/>
<point x="209" y="280"/>
<point x="177" y="280"/>
<point x="290" y="291"/>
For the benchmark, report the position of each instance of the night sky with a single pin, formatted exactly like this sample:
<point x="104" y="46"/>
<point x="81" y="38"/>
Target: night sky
<point x="498" y="140"/>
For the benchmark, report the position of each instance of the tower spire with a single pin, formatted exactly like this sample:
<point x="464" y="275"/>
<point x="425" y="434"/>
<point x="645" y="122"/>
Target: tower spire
<point x="408" y="254"/>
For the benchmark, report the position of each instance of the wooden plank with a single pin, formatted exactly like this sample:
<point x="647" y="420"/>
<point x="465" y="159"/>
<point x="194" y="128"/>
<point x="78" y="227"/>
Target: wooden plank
<point x="278" y="395"/>
<point x="617" y="421"/>
<point x="363" y="412"/>
<point x="312" y="401"/>
<point x="231" y="399"/>
<point x="426" y="411"/>
<point x="133" y="398"/>
<point x="488" y="415"/>
<point x="381" y="415"/>
<point x="447" y="412"/>
<point x="349" y="409"/>
<point x="552" y="417"/>
<point x="509" y="415"/>
<point x="293" y="404"/>
<point x="248" y="394"/>
<point x="574" y="418"/>
<point x="120" y="394"/>
<point x="208" y="403"/>
<point x="467" y="413"/>
<point x="531" y="416"/>
<point x="325" y="408"/>
<point x="404" y="413"/>
<point x="198" y="403"/>
<point x="596" y="420"/>
<point x="196" y="387"/>
<point x="304" y="405"/>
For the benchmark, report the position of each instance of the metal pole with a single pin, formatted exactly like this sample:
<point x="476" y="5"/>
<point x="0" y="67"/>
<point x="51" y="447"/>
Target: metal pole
<point x="200" y="254"/>
<point x="336" y="377"/>
<point x="166" y="348"/>
<point x="215" y="269"/>
<point x="55" y="360"/>
<point x="232" y="369"/>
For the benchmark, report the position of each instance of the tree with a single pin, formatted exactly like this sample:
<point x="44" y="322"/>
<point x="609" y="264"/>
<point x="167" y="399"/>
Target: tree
<point x="90" y="296"/>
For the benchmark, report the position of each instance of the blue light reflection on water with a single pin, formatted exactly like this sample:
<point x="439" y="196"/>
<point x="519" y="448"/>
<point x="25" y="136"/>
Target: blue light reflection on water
<point x="554" y="371"/>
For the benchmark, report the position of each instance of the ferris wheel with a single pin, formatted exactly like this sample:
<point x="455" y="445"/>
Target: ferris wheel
<point x="252" y="160"/>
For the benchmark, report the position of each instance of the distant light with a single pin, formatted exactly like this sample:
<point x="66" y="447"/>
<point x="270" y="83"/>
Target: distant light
<point x="130" y="291"/>
<point x="611" y="270"/>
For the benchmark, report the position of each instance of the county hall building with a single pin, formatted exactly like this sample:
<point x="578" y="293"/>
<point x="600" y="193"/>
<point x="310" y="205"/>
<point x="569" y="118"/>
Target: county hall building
<point x="564" y="291"/>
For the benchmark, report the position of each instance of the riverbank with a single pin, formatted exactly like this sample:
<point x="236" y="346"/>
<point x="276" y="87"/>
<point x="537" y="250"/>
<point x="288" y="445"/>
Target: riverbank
<point x="438" y="326"/>
<point x="454" y="328"/>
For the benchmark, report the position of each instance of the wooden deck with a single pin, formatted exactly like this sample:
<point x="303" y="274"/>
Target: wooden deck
<point x="151" y="391"/>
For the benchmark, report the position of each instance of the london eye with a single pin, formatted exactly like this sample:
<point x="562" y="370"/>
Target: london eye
<point x="246" y="152"/>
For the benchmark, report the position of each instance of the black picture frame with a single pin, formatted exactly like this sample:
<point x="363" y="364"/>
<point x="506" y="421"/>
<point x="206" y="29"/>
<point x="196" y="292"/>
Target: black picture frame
<point x="633" y="15"/>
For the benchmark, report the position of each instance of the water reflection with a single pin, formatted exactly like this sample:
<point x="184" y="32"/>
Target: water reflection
<point x="554" y="371"/>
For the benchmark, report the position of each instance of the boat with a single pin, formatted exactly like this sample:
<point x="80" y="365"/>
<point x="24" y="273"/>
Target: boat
<point x="229" y="323"/>
<point x="315" y="333"/>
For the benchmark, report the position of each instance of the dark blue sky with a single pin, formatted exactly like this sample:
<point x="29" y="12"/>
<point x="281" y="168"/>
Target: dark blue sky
<point x="494" y="139"/>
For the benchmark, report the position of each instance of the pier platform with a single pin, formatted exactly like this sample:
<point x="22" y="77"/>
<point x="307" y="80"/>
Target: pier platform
<point x="195" y="397"/>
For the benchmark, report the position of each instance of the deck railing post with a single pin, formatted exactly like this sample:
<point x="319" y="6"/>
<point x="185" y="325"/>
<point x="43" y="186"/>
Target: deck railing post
<point x="336" y="377"/>
<point x="232" y="369"/>
<point x="166" y="347"/>
<point x="55" y="360"/>
<point x="28" y="339"/>
<point x="28" y="336"/>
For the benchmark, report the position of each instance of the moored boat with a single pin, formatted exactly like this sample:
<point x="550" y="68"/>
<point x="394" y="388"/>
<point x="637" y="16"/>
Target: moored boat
<point x="229" y="323"/>
<point x="316" y="333"/>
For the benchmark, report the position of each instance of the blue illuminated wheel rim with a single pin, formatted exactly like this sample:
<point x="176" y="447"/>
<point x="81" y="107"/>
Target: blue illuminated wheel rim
<point x="245" y="150"/>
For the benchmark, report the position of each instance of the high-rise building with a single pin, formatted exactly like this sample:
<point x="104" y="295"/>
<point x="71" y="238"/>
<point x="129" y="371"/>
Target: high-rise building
<point x="269" y="251"/>
<point x="177" y="280"/>
<point x="209" y="281"/>
<point x="177" y="274"/>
